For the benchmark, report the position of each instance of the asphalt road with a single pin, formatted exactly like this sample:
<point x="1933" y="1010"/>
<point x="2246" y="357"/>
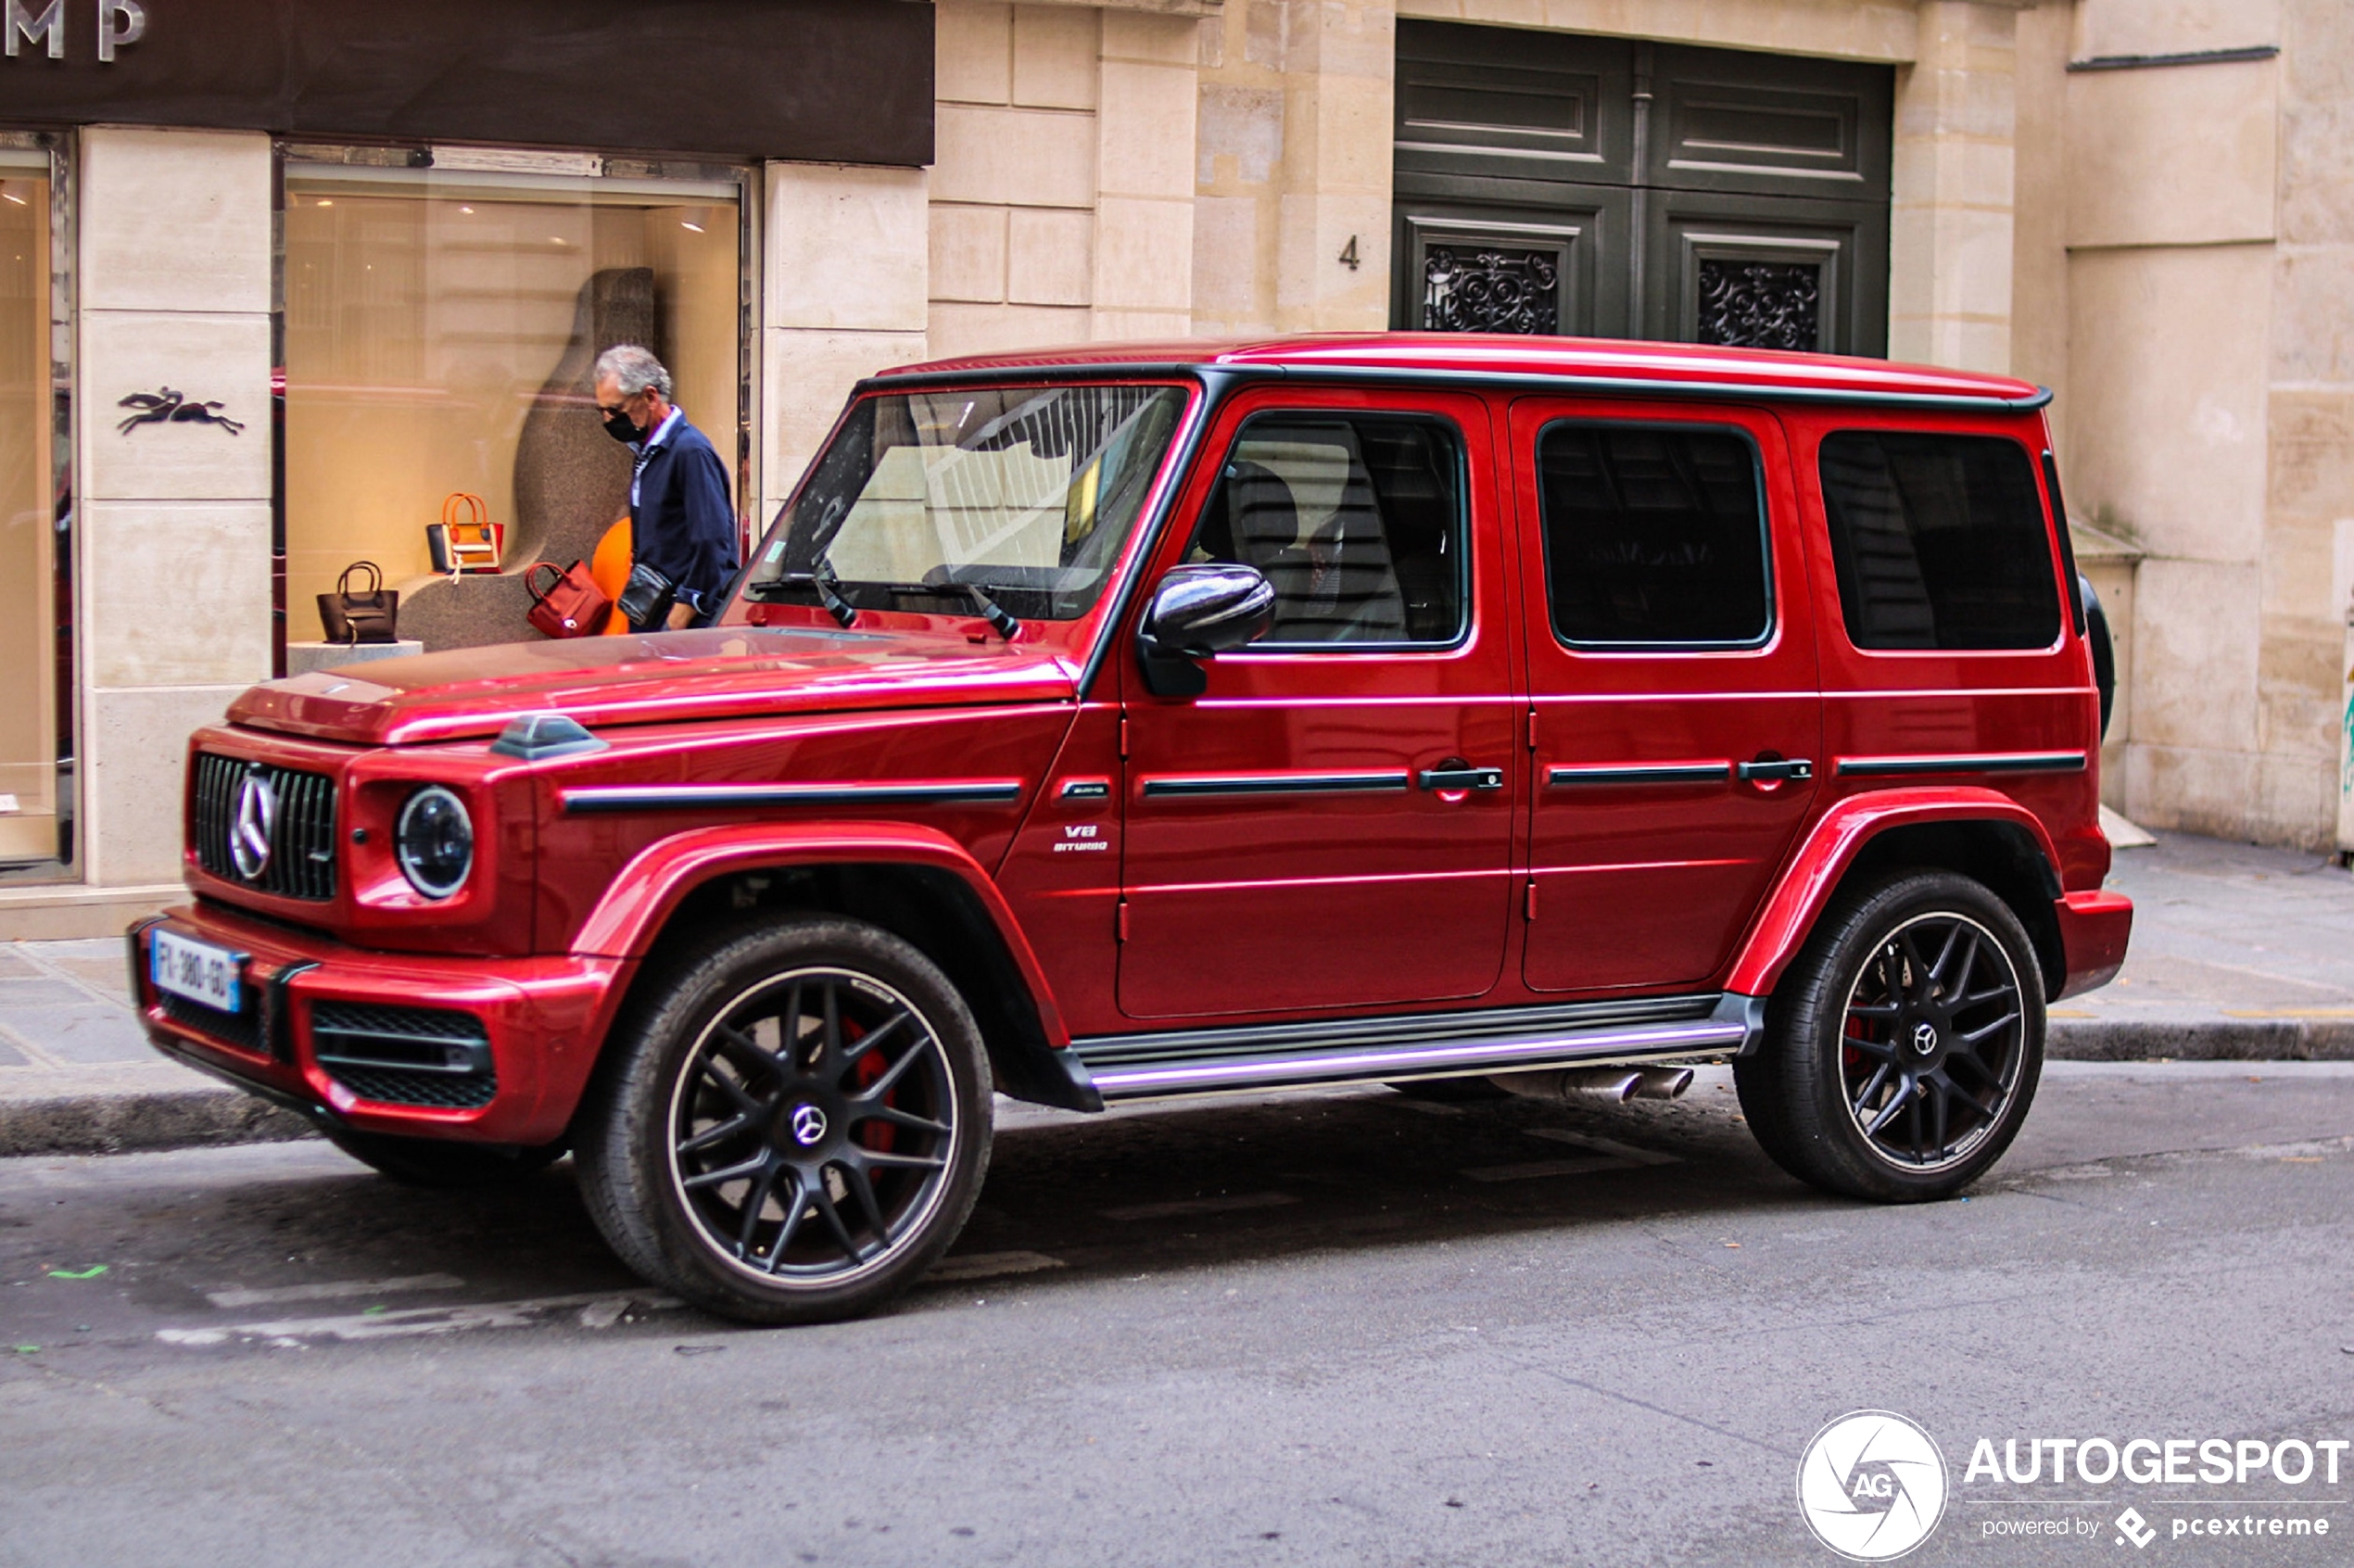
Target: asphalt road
<point x="1341" y="1329"/>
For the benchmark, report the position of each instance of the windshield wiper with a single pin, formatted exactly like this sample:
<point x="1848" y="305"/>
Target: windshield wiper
<point x="991" y="612"/>
<point x="819" y="578"/>
<point x="827" y="586"/>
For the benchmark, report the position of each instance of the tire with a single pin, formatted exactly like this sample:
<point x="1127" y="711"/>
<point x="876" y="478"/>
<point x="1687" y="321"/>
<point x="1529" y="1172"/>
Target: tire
<point x="433" y="1162"/>
<point x="778" y="1185"/>
<point x="1902" y="1045"/>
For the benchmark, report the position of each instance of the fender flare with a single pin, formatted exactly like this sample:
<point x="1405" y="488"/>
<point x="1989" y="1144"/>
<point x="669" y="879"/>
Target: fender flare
<point x="649" y="890"/>
<point x="1837" y="837"/>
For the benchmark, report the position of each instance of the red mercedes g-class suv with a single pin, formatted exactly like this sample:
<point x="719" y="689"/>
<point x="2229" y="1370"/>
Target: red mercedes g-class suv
<point x="1135" y="722"/>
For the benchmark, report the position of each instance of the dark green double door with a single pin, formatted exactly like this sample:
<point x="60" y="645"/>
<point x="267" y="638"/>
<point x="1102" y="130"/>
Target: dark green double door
<point x="1548" y="183"/>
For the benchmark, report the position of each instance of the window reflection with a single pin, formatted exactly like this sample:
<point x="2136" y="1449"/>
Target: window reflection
<point x="438" y="339"/>
<point x="31" y="642"/>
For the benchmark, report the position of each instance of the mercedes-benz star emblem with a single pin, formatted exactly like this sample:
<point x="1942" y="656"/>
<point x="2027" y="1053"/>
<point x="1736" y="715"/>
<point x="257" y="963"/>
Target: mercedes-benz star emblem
<point x="249" y="824"/>
<point x="1924" y="1037"/>
<point x="808" y="1125"/>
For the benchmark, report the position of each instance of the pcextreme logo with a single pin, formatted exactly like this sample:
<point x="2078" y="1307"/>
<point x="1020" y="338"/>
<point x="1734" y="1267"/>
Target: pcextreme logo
<point x="1871" y="1486"/>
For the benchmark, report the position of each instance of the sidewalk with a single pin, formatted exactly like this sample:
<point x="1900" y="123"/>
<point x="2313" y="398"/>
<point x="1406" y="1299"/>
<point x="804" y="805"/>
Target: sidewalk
<point x="77" y="1075"/>
<point x="2239" y="953"/>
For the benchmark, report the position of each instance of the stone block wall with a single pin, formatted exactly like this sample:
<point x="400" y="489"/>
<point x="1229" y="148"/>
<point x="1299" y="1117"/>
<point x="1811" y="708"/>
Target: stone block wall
<point x="1061" y="204"/>
<point x="174" y="282"/>
<point x="1291" y="170"/>
<point x="2183" y="276"/>
<point x="845" y="286"/>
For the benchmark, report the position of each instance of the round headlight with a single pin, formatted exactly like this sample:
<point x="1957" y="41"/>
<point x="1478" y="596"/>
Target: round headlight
<point x="434" y="841"/>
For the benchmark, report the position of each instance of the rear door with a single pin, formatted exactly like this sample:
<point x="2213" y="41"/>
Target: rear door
<point x="1675" y="713"/>
<point x="1951" y="657"/>
<point x="1329" y="823"/>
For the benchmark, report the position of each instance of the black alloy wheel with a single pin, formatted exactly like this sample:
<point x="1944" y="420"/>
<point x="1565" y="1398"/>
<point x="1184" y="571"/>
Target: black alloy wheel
<point x="800" y="1128"/>
<point x="1905" y="1044"/>
<point x="1930" y="1054"/>
<point x="810" y="1129"/>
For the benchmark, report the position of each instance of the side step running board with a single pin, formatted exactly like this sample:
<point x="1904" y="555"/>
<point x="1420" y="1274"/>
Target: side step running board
<point x="1382" y="1050"/>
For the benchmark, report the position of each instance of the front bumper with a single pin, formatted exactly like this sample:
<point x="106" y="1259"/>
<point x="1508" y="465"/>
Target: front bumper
<point x="522" y="1033"/>
<point x="2093" y="928"/>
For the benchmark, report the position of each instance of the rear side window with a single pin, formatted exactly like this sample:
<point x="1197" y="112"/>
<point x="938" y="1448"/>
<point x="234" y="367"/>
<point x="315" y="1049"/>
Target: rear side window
<point x="1357" y="520"/>
<point x="1654" y="536"/>
<point x="1940" y="541"/>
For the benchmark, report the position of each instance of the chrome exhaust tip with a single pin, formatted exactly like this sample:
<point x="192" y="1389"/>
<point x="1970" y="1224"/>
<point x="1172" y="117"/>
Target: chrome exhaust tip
<point x="1607" y="1083"/>
<point x="1662" y="1084"/>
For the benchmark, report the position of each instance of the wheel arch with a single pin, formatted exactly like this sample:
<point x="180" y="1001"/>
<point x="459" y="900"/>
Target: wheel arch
<point x="918" y="884"/>
<point x="1977" y="833"/>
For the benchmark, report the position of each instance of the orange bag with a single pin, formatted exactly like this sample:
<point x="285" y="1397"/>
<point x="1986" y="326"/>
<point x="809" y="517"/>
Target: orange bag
<point x="609" y="567"/>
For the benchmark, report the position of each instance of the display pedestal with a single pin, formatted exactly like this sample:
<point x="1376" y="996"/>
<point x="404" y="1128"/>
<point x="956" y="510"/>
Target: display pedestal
<point x="303" y="657"/>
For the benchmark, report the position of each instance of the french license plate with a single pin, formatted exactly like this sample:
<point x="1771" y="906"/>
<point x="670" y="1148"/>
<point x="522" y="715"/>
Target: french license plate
<point x="196" y="970"/>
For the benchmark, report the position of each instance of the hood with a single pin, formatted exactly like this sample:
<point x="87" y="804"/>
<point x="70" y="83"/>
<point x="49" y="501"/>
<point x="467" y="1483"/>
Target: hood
<point x="665" y="677"/>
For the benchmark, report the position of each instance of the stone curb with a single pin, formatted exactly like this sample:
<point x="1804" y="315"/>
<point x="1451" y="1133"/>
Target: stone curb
<point x="2200" y="1040"/>
<point x="139" y="1122"/>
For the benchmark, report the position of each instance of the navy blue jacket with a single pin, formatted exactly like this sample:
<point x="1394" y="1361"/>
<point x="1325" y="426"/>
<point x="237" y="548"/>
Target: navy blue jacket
<point x="682" y="520"/>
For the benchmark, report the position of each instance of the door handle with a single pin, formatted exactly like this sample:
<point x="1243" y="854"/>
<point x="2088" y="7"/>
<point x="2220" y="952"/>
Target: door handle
<point x="1453" y="775"/>
<point x="1776" y="771"/>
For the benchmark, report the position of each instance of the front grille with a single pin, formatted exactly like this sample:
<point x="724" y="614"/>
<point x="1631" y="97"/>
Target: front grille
<point x="241" y="1028"/>
<point x="405" y="1055"/>
<point x="302" y="830"/>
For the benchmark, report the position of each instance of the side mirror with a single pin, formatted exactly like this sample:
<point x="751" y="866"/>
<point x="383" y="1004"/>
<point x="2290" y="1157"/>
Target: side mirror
<point x="1195" y="611"/>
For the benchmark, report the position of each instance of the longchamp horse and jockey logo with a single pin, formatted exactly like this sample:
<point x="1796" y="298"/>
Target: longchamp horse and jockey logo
<point x="168" y="406"/>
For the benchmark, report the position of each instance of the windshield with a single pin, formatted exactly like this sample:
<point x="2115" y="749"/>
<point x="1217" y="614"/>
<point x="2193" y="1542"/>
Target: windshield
<point x="1026" y="493"/>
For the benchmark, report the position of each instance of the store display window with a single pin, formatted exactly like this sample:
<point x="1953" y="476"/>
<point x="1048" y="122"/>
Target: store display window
<point x="439" y="329"/>
<point x="36" y="520"/>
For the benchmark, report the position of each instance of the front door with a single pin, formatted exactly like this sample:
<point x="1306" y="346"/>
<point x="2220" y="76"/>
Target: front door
<point x="1329" y="823"/>
<point x="1610" y="188"/>
<point x="1674" y="704"/>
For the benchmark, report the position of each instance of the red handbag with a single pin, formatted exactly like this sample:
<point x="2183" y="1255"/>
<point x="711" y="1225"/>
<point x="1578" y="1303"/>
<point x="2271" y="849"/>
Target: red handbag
<point x="572" y="606"/>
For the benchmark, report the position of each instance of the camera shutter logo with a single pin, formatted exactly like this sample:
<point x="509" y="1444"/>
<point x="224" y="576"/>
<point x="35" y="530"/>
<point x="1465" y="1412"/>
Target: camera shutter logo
<point x="1871" y="1486"/>
<point x="249" y="824"/>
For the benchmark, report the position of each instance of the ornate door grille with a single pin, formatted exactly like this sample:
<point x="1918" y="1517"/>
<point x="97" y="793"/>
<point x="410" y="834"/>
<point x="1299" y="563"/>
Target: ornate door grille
<point x="1761" y="304"/>
<point x="1491" y="290"/>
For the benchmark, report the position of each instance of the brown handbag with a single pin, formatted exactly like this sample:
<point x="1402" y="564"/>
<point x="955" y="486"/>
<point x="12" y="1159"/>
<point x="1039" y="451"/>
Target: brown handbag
<point x="371" y="614"/>
<point x="572" y="606"/>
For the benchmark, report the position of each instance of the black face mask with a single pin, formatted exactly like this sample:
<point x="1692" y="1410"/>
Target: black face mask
<point x="619" y="425"/>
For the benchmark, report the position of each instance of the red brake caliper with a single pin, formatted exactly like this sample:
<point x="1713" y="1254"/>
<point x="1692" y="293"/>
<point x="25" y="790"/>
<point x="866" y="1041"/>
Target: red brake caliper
<point x="875" y="1135"/>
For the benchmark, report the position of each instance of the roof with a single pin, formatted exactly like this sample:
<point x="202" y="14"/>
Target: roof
<point x="1598" y="365"/>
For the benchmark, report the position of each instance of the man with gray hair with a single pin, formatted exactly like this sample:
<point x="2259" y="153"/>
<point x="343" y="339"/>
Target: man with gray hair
<point x="682" y="521"/>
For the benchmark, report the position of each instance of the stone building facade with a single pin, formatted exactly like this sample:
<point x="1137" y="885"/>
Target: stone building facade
<point x="2147" y="205"/>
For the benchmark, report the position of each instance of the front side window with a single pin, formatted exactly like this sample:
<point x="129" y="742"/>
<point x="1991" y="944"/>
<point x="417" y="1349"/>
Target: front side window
<point x="1357" y="521"/>
<point x="1026" y="493"/>
<point x="1940" y="541"/>
<point x="1655" y="535"/>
